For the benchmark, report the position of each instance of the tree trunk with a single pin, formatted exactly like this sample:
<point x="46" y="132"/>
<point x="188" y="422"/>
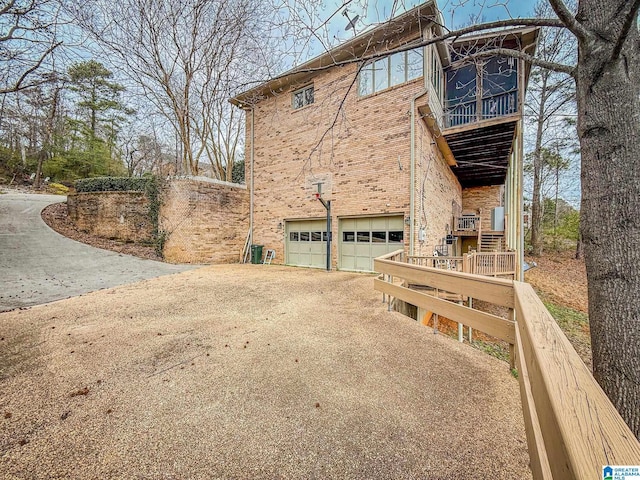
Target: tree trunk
<point x="537" y="211"/>
<point x="608" y="94"/>
<point x="579" y="248"/>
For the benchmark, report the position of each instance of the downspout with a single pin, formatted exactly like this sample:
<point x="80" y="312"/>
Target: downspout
<point x="251" y="185"/>
<point x="412" y="188"/>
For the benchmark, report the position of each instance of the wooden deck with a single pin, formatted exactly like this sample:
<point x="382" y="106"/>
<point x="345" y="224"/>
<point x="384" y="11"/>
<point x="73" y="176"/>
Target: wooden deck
<point x="573" y="430"/>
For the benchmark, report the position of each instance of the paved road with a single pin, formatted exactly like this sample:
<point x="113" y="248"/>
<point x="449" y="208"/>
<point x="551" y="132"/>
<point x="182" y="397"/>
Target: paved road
<point x="38" y="265"/>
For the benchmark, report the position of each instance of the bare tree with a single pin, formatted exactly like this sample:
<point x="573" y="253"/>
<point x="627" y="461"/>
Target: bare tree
<point x="27" y="39"/>
<point x="181" y="55"/>
<point x="550" y="95"/>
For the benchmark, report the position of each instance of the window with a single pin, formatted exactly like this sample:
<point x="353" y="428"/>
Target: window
<point x="302" y="98"/>
<point x="396" y="236"/>
<point x="378" y="237"/>
<point x="437" y="74"/>
<point x="390" y="71"/>
<point x="348" y="237"/>
<point x="316" y="236"/>
<point x="363" y="237"/>
<point x="304" y="236"/>
<point x="293" y="236"/>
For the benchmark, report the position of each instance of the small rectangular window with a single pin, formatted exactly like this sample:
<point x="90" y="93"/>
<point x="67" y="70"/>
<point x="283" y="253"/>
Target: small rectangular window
<point x="304" y="236"/>
<point x="303" y="97"/>
<point x="393" y="70"/>
<point x="396" y="236"/>
<point x="381" y="74"/>
<point x="398" y="69"/>
<point x="415" y="64"/>
<point x="363" y="237"/>
<point x="293" y="236"/>
<point x="365" y="82"/>
<point x="378" y="237"/>
<point x="316" y="236"/>
<point x="348" y="237"/>
<point x="324" y="236"/>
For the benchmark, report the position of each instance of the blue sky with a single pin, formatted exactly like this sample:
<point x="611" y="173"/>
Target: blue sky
<point x="456" y="13"/>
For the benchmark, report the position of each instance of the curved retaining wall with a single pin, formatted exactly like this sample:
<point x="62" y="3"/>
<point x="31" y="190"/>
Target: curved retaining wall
<point x="119" y="215"/>
<point x="204" y="220"/>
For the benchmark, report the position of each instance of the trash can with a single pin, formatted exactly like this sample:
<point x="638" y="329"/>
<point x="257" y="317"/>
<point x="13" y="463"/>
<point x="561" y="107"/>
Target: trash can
<point x="256" y="253"/>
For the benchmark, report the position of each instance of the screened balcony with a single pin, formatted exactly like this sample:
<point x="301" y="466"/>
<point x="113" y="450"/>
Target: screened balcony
<point x="485" y="90"/>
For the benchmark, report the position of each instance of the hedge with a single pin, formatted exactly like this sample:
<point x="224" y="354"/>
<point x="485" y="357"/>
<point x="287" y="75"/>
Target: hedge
<point x="112" y="184"/>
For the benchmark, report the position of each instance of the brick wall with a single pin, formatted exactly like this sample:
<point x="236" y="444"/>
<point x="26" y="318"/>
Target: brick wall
<point x="206" y="221"/>
<point x="359" y="146"/>
<point x="120" y="215"/>
<point x="482" y="199"/>
<point x="438" y="193"/>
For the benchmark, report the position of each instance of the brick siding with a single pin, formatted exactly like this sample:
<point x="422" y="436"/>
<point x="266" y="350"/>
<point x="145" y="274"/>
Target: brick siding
<point x="205" y="221"/>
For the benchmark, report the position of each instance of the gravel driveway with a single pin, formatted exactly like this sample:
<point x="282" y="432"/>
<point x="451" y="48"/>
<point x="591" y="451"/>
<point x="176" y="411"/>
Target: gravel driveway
<point x="245" y="372"/>
<point x="38" y="265"/>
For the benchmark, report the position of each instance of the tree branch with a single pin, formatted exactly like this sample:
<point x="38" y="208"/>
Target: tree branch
<point x="521" y="22"/>
<point x="17" y="86"/>
<point x="629" y="21"/>
<point x="557" y="67"/>
<point x="567" y="18"/>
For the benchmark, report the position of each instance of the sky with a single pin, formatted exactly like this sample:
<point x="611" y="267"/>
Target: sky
<point x="455" y="12"/>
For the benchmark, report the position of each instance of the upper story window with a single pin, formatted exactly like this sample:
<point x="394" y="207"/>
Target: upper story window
<point x="302" y="98"/>
<point x="437" y="74"/>
<point x="390" y="71"/>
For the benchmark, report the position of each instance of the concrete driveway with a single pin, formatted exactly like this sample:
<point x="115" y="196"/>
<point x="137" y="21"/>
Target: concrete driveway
<point x="38" y="265"/>
<point x="249" y="372"/>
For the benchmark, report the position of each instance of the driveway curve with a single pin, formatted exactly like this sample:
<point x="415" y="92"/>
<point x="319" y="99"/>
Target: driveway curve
<point x="38" y="265"/>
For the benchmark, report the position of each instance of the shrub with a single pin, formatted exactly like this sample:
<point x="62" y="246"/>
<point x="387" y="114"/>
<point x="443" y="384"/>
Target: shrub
<point x="58" y="189"/>
<point x="112" y="184"/>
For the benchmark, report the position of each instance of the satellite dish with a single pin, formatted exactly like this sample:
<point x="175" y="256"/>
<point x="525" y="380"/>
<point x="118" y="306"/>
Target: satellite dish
<point x="352" y="22"/>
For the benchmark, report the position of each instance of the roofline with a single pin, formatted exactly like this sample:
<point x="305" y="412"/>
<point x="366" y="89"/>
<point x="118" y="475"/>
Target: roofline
<point x="359" y="45"/>
<point x="350" y="49"/>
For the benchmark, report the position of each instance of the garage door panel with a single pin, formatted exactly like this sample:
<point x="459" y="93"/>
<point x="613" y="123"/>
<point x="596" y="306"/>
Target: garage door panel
<point x="363" y="239"/>
<point x="304" y="245"/>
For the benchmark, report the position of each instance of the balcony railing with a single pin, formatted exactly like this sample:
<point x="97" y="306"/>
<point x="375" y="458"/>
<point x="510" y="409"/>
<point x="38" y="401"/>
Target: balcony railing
<point x="479" y="109"/>
<point x="467" y="223"/>
<point x="553" y="379"/>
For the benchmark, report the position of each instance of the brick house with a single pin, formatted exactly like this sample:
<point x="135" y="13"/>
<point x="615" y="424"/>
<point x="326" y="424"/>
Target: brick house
<point x="419" y="149"/>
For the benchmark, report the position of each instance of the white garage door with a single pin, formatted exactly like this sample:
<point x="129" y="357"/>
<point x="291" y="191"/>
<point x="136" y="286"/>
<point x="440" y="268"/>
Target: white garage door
<point x="306" y="243"/>
<point x="363" y="239"/>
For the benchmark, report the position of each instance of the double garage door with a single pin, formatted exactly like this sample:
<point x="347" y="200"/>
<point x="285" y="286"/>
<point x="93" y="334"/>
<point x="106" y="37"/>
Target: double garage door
<point x="360" y="240"/>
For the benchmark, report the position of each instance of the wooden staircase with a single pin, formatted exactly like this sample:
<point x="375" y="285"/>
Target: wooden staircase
<point x="491" y="242"/>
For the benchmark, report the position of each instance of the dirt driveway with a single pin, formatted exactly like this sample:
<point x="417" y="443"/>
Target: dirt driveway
<point x="248" y="372"/>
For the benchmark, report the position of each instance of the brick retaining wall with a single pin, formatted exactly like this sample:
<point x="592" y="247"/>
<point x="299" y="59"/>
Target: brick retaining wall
<point x="118" y="215"/>
<point x="205" y="221"/>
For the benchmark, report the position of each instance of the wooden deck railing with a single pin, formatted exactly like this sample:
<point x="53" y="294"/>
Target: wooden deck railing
<point x="467" y="223"/>
<point x="492" y="264"/>
<point x="572" y="428"/>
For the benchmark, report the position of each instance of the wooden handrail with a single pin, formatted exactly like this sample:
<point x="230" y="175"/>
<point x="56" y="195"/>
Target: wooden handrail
<point x="572" y="428"/>
<point x="494" y="290"/>
<point x="581" y="429"/>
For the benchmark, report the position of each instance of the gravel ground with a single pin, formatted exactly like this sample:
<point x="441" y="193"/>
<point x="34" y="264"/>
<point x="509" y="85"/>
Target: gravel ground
<point x="249" y="371"/>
